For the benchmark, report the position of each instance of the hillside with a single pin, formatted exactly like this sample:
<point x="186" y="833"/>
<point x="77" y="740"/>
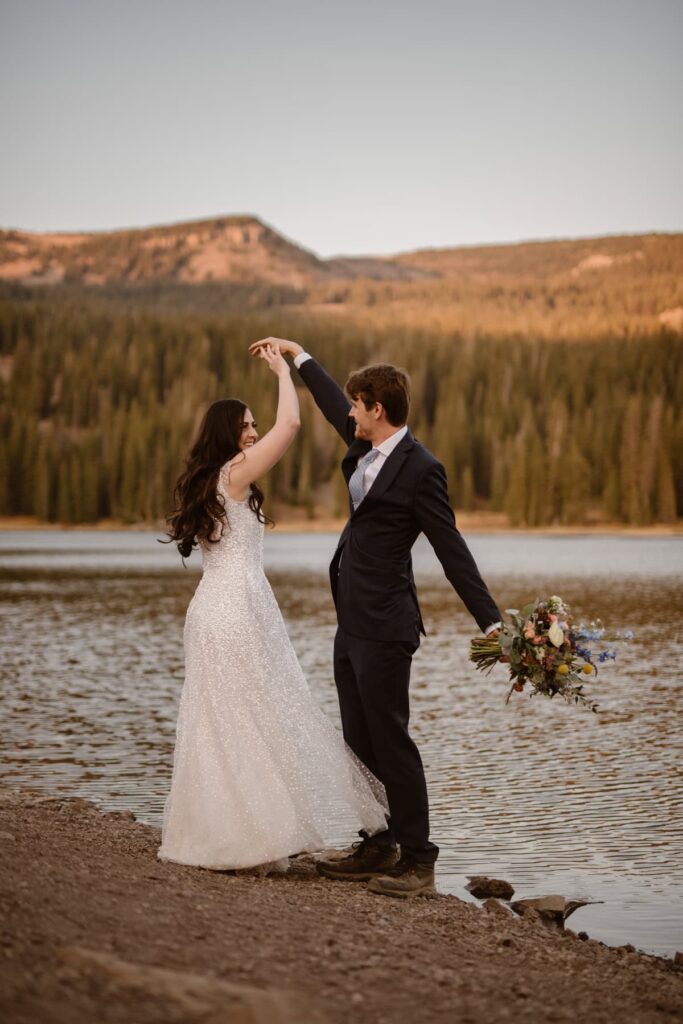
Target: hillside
<point x="579" y="288"/>
<point x="104" y="371"/>
<point x="237" y="250"/>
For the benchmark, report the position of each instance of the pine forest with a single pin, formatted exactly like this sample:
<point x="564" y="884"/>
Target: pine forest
<point x="99" y="402"/>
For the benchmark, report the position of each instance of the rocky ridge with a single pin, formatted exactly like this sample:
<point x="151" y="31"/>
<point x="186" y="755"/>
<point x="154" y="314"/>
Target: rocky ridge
<point x="239" y="250"/>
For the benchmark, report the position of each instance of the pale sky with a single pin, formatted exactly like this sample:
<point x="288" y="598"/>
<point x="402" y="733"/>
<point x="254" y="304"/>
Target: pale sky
<point x="358" y="126"/>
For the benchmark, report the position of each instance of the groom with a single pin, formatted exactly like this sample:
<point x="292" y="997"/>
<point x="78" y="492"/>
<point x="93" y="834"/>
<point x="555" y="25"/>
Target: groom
<point x="397" y="490"/>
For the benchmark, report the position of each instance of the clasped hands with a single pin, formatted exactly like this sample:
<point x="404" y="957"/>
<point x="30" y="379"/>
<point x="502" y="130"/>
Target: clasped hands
<point x="281" y="345"/>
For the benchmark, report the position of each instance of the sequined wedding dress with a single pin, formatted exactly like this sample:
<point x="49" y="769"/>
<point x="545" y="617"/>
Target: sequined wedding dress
<point x="259" y="772"/>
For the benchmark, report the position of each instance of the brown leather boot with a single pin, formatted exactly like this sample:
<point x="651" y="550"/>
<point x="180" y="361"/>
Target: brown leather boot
<point x="407" y="879"/>
<point x="367" y="861"/>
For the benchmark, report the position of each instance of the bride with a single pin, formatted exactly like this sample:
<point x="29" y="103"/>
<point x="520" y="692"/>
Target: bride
<point x="259" y="773"/>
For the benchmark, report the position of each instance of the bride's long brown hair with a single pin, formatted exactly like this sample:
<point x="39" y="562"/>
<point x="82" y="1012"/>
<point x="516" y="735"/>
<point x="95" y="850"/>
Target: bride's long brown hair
<point x="198" y="507"/>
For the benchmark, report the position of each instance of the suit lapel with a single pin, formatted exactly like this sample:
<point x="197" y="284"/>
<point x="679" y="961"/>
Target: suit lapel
<point x="387" y="473"/>
<point x="353" y="454"/>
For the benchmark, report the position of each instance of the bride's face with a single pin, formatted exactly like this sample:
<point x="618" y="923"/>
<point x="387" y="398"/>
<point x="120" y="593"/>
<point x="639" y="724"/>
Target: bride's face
<point x="249" y="434"/>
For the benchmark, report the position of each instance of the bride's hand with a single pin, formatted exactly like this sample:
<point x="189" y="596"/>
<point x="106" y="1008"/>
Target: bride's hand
<point x="270" y="351"/>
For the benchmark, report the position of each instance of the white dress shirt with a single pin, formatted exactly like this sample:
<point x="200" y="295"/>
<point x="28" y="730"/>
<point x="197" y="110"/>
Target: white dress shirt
<point x="385" y="449"/>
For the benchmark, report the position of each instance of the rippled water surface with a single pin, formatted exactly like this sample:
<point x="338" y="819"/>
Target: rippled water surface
<point x="552" y="798"/>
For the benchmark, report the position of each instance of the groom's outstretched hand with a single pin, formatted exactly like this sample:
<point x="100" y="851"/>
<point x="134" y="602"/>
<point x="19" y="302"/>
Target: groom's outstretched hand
<point x="495" y="633"/>
<point x="287" y="348"/>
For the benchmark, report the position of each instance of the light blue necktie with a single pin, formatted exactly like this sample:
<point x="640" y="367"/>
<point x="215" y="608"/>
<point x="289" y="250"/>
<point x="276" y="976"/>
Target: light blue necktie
<point x="356" y="483"/>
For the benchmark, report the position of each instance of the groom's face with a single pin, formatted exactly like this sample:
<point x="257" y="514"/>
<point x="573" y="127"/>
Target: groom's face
<point x="366" y="419"/>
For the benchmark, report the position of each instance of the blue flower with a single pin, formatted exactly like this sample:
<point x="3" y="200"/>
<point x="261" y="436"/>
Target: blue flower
<point x="585" y="633"/>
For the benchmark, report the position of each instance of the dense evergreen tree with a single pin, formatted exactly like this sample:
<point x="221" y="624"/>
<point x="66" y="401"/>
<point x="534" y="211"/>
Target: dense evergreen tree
<point x="99" y="403"/>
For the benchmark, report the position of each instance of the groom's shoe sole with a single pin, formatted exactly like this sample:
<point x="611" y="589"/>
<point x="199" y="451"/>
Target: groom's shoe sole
<point x="345" y="876"/>
<point x="405" y="884"/>
<point x="427" y="892"/>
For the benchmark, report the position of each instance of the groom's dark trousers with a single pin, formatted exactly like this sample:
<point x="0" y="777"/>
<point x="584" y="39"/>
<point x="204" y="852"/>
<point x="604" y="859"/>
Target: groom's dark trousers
<point x="377" y="608"/>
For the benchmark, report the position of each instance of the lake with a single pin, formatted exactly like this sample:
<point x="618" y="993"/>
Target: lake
<point x="550" y="797"/>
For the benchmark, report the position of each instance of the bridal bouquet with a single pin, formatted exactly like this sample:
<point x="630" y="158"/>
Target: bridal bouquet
<point x="545" y="649"/>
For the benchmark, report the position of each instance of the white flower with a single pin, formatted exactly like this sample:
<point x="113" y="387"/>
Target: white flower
<point x="555" y="635"/>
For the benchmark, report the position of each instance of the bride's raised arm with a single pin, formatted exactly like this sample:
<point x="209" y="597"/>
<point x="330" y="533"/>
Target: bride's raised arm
<point x="256" y="460"/>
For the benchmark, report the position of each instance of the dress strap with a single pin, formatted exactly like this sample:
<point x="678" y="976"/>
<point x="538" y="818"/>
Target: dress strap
<point x="224" y="473"/>
<point x="224" y="479"/>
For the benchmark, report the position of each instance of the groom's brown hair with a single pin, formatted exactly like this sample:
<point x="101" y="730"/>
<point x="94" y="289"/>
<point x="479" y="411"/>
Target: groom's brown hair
<point x="383" y="383"/>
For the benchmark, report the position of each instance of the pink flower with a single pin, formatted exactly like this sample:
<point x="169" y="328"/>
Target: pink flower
<point x="529" y="631"/>
<point x="553" y="618"/>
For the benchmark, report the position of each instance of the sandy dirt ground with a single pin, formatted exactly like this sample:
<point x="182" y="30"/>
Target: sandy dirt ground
<point x="94" y="929"/>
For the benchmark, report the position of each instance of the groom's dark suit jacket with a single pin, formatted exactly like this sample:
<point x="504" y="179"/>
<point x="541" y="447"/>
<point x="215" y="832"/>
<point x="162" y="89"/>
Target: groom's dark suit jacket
<point x="371" y="572"/>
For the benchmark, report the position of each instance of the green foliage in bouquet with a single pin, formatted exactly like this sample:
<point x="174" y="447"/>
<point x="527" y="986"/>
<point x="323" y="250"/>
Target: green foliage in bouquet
<point x="545" y="649"/>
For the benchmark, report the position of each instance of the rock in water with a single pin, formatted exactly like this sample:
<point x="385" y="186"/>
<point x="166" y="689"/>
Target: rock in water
<point x="482" y="887"/>
<point x="553" y="909"/>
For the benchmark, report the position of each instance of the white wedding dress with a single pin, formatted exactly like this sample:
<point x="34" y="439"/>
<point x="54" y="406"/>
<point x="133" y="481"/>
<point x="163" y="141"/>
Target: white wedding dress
<point x="259" y="772"/>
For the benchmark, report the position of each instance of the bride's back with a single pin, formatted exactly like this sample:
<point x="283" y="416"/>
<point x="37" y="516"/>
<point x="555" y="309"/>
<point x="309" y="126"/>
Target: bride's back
<point x="238" y="542"/>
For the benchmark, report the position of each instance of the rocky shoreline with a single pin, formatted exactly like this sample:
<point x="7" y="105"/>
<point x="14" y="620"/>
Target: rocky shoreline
<point x="290" y="520"/>
<point x="94" y="929"/>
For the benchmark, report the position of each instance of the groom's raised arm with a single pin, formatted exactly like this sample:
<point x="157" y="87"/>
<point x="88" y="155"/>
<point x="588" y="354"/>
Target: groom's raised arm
<point x="328" y="396"/>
